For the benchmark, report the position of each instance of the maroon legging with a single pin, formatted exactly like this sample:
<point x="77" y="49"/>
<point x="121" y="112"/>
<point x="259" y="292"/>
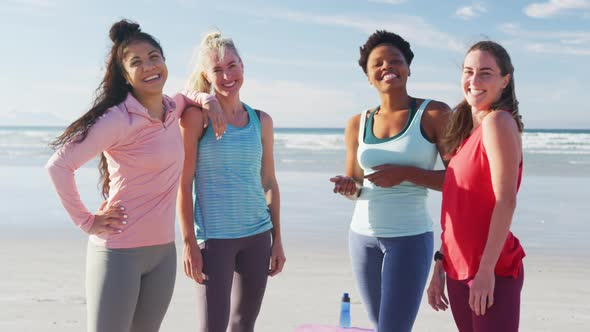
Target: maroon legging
<point x="242" y="263"/>
<point x="502" y="316"/>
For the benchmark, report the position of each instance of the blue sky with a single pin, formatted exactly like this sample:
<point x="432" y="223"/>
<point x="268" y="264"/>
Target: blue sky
<point x="300" y="56"/>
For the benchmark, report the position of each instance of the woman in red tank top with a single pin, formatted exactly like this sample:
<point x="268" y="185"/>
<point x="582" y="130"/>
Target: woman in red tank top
<point x="480" y="257"/>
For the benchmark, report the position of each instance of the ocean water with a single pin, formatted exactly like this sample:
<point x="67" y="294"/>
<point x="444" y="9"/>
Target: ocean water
<point x="552" y="211"/>
<point x="553" y="152"/>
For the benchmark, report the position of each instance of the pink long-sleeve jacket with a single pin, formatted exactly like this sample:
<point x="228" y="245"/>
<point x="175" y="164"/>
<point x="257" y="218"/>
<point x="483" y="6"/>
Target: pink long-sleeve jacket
<point x="144" y="157"/>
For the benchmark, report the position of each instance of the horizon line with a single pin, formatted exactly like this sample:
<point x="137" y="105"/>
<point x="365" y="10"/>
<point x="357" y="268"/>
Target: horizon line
<point x="314" y="128"/>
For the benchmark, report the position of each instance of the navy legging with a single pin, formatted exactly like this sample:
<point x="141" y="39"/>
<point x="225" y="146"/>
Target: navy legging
<point x="391" y="274"/>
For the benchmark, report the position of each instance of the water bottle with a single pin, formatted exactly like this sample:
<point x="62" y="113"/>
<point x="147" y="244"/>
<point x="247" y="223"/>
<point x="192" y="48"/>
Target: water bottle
<point x="345" y="311"/>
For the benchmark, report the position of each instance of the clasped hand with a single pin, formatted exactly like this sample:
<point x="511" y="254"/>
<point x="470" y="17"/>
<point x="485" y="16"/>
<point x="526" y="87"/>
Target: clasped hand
<point x="388" y="175"/>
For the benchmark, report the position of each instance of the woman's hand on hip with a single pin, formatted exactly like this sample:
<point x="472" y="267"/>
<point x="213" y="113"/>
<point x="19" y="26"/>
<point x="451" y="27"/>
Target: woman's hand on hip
<point x="109" y="220"/>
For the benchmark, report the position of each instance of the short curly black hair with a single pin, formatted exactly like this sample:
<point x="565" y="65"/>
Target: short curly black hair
<point x="384" y="37"/>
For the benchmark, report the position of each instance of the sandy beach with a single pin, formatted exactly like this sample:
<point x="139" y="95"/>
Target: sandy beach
<point x="43" y="258"/>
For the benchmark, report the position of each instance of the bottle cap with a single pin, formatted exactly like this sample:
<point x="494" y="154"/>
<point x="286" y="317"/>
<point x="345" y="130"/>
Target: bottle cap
<point x="345" y="297"/>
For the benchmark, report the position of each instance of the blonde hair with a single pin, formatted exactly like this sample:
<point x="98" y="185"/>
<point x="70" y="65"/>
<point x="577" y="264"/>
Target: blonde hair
<point x="212" y="41"/>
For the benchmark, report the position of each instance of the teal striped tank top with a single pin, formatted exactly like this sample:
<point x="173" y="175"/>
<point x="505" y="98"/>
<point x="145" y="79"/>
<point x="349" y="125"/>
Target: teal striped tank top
<point x="399" y="210"/>
<point x="229" y="198"/>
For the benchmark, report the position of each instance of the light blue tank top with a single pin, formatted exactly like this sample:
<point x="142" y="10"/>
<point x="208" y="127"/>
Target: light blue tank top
<point x="229" y="198"/>
<point x="399" y="210"/>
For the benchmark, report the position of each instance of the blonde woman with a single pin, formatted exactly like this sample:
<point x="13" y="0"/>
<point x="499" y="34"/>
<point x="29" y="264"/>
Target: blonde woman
<point x="231" y="230"/>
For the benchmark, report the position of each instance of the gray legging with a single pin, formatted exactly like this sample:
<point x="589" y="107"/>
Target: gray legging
<point x="128" y="290"/>
<point x="242" y="262"/>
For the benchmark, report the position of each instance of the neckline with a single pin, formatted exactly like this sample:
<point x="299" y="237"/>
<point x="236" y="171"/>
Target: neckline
<point x="370" y="134"/>
<point x="247" y="123"/>
<point x="133" y="105"/>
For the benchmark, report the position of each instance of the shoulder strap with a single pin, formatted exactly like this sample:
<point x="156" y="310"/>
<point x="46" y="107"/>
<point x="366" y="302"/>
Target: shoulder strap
<point x="256" y="123"/>
<point x="204" y="131"/>
<point x="423" y="106"/>
<point x="417" y="120"/>
<point x="362" y="126"/>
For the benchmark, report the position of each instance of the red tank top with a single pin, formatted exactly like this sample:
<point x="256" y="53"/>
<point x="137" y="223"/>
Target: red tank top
<point x="467" y="204"/>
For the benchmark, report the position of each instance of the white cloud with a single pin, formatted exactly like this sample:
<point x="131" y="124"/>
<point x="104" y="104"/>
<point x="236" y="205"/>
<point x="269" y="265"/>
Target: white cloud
<point x="389" y="2"/>
<point x="469" y="12"/>
<point x="434" y="86"/>
<point x="33" y="3"/>
<point x="449" y="93"/>
<point x="28" y="4"/>
<point x="413" y="28"/>
<point x="552" y="48"/>
<point x="516" y="30"/>
<point x="550" y="42"/>
<point x="37" y="8"/>
<point x="298" y="62"/>
<point x="26" y="118"/>
<point x="555" y="7"/>
<point x="174" y="84"/>
<point x="299" y="104"/>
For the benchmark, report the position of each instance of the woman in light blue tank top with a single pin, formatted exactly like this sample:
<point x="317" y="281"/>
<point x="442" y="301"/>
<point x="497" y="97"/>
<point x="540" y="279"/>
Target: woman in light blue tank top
<point x="232" y="237"/>
<point x="390" y="154"/>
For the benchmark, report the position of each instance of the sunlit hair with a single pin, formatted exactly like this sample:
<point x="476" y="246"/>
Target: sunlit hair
<point x="113" y="90"/>
<point x="212" y="42"/>
<point x="461" y="123"/>
<point x="384" y="37"/>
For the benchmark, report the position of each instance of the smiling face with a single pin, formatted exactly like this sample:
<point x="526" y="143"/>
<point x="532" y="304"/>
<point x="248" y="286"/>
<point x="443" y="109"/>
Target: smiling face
<point x="482" y="80"/>
<point x="387" y="68"/>
<point x="145" y="69"/>
<point x="225" y="74"/>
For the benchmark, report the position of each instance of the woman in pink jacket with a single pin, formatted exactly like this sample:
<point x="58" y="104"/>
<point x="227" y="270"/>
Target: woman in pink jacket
<point x="131" y="257"/>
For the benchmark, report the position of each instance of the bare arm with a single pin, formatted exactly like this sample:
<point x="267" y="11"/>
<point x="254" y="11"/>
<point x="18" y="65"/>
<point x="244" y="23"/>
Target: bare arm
<point x="351" y="133"/>
<point x="350" y="184"/>
<point x="438" y="118"/>
<point x="191" y="129"/>
<point x="502" y="142"/>
<point x="503" y="145"/>
<point x="271" y="191"/>
<point x="436" y="289"/>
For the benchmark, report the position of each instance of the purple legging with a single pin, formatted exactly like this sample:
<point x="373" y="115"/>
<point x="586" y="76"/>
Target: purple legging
<point x="502" y="316"/>
<point x="236" y="270"/>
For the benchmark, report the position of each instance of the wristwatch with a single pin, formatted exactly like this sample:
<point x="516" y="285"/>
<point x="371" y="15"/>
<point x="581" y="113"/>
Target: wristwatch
<point x="438" y="256"/>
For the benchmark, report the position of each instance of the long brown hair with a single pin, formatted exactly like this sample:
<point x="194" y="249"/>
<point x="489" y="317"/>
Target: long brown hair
<point x="461" y="123"/>
<point x="113" y="90"/>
